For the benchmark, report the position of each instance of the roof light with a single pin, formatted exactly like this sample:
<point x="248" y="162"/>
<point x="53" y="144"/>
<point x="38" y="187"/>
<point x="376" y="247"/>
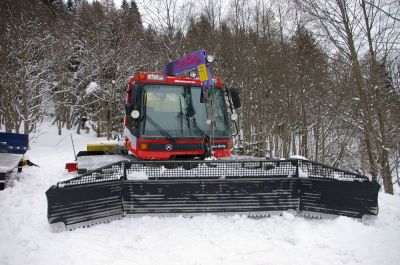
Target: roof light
<point x="155" y="77"/>
<point x="193" y="74"/>
<point x="142" y="76"/>
<point x="210" y="58"/>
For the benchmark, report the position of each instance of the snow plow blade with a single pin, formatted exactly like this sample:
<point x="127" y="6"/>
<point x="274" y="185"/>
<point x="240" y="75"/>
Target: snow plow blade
<point x="252" y="187"/>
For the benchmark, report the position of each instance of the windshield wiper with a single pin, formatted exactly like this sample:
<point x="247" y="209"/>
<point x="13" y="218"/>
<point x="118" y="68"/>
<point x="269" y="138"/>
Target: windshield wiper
<point x="207" y="143"/>
<point x="198" y="130"/>
<point x="159" y="128"/>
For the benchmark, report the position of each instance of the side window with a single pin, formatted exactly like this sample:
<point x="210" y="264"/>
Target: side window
<point x="134" y="95"/>
<point x="133" y="124"/>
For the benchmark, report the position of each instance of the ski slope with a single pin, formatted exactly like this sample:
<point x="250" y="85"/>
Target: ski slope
<point x="25" y="237"/>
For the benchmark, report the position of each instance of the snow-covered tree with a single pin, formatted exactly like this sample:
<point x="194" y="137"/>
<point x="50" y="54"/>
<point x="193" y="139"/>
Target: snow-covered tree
<point x="27" y="64"/>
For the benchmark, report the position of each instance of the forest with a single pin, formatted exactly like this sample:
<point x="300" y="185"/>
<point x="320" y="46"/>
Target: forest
<point x="317" y="78"/>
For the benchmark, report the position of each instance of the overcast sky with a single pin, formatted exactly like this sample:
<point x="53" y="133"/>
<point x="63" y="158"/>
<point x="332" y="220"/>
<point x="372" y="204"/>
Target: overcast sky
<point x="118" y="3"/>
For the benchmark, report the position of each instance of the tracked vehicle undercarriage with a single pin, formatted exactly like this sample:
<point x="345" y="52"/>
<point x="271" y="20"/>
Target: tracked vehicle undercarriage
<point x="251" y="187"/>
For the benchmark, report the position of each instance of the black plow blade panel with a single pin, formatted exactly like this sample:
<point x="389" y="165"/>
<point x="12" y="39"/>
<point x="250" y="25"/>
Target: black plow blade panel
<point x="208" y="196"/>
<point x="348" y="198"/>
<point x="84" y="203"/>
<point x="182" y="187"/>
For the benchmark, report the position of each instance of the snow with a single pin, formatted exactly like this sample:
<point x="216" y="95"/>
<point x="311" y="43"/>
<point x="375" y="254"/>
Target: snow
<point x="93" y="162"/>
<point x="9" y="161"/>
<point x="302" y="174"/>
<point x="298" y="157"/>
<point x="288" y="239"/>
<point x="137" y="175"/>
<point x="92" y="87"/>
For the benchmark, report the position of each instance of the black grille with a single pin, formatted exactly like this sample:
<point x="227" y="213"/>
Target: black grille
<point x="209" y="169"/>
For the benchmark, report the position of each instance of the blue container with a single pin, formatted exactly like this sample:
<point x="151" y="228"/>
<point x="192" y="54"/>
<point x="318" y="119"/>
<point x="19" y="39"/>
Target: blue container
<point x="15" y="143"/>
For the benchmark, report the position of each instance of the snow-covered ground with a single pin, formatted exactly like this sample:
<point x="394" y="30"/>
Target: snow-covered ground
<point x="25" y="237"/>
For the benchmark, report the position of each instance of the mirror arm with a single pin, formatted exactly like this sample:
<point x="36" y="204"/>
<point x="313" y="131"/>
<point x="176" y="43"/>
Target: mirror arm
<point x="128" y="109"/>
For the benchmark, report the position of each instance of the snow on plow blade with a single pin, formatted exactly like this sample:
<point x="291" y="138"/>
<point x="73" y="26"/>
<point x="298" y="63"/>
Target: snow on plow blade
<point x="252" y="187"/>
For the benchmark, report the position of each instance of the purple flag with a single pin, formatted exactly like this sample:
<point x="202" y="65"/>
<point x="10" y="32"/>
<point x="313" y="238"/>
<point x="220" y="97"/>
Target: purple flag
<point x="191" y="62"/>
<point x="186" y="63"/>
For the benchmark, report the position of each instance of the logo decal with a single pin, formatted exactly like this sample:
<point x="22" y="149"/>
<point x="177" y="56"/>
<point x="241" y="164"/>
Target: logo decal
<point x="168" y="147"/>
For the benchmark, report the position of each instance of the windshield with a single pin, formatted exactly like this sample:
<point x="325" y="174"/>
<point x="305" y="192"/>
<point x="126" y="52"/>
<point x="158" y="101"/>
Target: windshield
<point x="177" y="111"/>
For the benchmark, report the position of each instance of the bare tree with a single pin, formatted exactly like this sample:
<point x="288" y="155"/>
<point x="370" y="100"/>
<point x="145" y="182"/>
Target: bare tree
<point x="171" y="19"/>
<point x="26" y="42"/>
<point x="354" y="27"/>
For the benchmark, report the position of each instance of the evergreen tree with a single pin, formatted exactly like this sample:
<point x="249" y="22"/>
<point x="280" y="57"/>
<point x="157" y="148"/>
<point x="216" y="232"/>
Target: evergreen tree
<point x="124" y="5"/>
<point x="135" y="14"/>
<point x="70" y="5"/>
<point x="200" y="34"/>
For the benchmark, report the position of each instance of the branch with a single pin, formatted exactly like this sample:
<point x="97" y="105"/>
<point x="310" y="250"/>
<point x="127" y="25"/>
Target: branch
<point x="383" y="11"/>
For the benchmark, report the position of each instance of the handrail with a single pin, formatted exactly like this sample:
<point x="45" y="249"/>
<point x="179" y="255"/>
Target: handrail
<point x="207" y="169"/>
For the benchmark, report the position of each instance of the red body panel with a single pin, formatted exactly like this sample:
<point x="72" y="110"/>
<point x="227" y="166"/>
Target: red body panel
<point x="167" y="155"/>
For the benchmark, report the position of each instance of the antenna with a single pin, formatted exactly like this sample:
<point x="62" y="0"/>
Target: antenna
<point x="73" y="146"/>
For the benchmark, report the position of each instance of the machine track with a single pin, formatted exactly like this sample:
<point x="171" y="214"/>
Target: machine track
<point x="252" y="188"/>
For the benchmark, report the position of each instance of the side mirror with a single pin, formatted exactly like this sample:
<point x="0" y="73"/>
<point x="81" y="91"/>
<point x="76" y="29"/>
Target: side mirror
<point x="235" y="97"/>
